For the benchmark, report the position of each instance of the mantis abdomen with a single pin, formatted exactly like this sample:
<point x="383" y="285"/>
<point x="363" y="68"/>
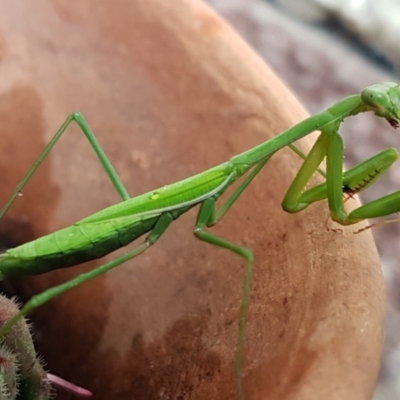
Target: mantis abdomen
<point x="34" y="258"/>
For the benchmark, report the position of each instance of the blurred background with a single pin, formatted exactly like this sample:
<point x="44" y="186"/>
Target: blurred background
<point x="325" y="50"/>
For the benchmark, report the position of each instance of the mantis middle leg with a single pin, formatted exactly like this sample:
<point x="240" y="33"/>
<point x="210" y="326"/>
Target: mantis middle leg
<point x="209" y="216"/>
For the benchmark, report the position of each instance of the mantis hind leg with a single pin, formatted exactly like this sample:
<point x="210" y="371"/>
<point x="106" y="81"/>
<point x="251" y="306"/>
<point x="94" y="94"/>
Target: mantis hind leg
<point x="85" y="128"/>
<point x="206" y="215"/>
<point x="42" y="298"/>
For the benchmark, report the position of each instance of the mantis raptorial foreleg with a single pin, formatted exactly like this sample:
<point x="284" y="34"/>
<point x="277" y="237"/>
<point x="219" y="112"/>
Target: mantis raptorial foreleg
<point x="302" y="155"/>
<point x="355" y="179"/>
<point x="330" y="145"/>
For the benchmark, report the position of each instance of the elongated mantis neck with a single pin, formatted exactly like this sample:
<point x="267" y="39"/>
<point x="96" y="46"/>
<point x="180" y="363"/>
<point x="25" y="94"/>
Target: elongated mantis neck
<point x="334" y="115"/>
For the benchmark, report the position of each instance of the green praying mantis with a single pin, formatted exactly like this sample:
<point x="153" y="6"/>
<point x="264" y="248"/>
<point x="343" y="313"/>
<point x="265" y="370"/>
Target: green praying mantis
<point x="152" y="213"/>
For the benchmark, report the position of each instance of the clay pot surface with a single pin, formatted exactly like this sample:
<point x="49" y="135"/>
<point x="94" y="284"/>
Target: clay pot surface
<point x="170" y="90"/>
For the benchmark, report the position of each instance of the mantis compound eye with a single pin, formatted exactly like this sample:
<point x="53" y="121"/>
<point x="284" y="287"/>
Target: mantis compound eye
<point x="384" y="100"/>
<point x="377" y="99"/>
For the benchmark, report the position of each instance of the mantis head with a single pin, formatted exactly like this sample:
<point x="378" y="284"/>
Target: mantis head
<point x="384" y="100"/>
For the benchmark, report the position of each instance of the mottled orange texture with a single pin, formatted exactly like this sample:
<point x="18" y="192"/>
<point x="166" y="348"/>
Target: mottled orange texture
<point x="171" y="90"/>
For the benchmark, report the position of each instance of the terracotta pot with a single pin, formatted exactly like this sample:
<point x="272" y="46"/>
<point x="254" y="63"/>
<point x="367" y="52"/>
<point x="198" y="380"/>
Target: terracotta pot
<point x="171" y="90"/>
